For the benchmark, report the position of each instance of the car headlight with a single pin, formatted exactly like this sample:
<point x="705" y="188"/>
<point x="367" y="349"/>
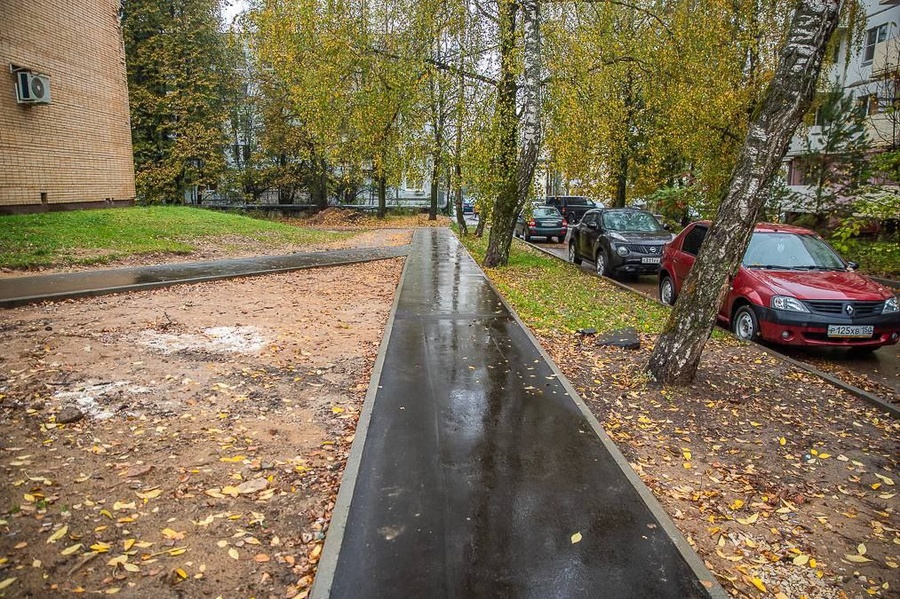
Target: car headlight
<point x="622" y="250"/>
<point x="890" y="305"/>
<point x="786" y="302"/>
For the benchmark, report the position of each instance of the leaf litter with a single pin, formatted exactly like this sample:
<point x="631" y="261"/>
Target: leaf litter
<point x="189" y="452"/>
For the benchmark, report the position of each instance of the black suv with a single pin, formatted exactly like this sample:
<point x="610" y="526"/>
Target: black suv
<point x="618" y="241"/>
<point x="571" y="207"/>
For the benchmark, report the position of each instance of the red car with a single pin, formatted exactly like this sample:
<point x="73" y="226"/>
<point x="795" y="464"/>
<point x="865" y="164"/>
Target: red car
<point x="791" y="288"/>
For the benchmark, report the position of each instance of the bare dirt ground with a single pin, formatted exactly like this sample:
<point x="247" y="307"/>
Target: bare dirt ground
<point x="211" y="427"/>
<point x="784" y="485"/>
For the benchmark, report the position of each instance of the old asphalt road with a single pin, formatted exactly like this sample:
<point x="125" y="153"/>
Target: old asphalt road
<point x="17" y="291"/>
<point x="882" y="366"/>
<point x="477" y="471"/>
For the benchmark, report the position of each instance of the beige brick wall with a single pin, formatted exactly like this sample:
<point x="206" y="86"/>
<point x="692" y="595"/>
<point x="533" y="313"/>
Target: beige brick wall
<point x="77" y="149"/>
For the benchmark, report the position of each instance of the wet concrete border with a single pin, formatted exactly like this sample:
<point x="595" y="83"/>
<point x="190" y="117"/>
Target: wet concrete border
<point x="334" y="538"/>
<point x="32" y="299"/>
<point x="892" y="410"/>
<point x="690" y="557"/>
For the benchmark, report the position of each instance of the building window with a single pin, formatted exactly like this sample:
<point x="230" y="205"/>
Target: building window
<point x="875" y="35"/>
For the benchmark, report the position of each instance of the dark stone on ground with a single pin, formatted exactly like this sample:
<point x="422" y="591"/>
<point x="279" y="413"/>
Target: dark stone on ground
<point x="69" y="414"/>
<point x="623" y="338"/>
<point x="586" y="331"/>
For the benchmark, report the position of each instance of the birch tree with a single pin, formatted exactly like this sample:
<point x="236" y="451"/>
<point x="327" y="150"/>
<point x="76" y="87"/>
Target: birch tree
<point x="516" y="156"/>
<point x="788" y="96"/>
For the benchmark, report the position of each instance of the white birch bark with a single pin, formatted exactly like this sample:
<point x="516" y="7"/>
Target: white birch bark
<point x="677" y="352"/>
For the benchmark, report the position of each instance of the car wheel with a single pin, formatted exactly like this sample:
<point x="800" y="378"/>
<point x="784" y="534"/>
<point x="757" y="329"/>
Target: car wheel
<point x="573" y="255"/>
<point x="667" y="291"/>
<point x="744" y="324"/>
<point x="602" y="264"/>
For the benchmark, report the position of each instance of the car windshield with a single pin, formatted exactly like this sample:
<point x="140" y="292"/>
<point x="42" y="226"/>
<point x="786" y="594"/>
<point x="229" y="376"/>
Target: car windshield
<point x="629" y="220"/>
<point x="545" y="212"/>
<point x="781" y="250"/>
<point x="577" y="201"/>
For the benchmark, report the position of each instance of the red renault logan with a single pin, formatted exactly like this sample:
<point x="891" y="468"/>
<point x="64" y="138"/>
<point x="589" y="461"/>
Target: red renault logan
<point x="791" y="288"/>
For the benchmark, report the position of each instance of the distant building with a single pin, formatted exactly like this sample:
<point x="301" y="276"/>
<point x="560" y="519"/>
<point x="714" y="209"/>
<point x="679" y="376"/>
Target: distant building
<point x="871" y="76"/>
<point x="65" y="134"/>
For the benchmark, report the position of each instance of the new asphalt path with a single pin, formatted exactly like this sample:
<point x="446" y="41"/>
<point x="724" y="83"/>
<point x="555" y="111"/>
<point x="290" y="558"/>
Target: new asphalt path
<point x="477" y="471"/>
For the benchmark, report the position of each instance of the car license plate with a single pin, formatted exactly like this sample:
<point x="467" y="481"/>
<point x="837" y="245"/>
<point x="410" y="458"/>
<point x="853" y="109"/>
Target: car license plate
<point x="548" y="223"/>
<point x="650" y="260"/>
<point x="843" y="330"/>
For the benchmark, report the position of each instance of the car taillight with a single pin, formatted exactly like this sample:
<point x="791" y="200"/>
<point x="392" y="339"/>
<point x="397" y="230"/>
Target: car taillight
<point x="565" y="224"/>
<point x="531" y="223"/>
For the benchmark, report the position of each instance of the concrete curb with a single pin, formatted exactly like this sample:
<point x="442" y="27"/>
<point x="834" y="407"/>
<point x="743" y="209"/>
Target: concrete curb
<point x="31" y="299"/>
<point x="693" y="560"/>
<point x="876" y="401"/>
<point x="334" y="539"/>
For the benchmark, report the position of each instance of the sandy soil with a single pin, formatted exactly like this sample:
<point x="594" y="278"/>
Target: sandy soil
<point x="216" y="422"/>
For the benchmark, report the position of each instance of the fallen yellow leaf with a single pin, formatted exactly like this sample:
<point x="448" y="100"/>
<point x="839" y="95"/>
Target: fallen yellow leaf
<point x="233" y="553"/>
<point x="7" y="582"/>
<point x="128" y="544"/>
<point x="58" y="534"/>
<point x="152" y="494"/>
<point x="71" y="549"/>
<point x="857" y="559"/>
<point x="234" y="459"/>
<point x="801" y="560"/>
<point x="749" y="519"/>
<point x="576" y="538"/>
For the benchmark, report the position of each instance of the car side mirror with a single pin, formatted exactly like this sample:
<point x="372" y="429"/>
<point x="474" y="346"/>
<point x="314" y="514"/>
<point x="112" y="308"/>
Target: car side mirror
<point x="852" y="265"/>
<point x="592" y="226"/>
<point x="667" y="226"/>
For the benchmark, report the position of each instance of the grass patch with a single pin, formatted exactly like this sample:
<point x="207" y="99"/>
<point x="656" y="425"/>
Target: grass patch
<point x="875" y="258"/>
<point x="550" y="294"/>
<point x="96" y="236"/>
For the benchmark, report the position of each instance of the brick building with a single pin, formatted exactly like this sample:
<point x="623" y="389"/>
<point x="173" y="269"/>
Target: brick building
<point x="75" y="150"/>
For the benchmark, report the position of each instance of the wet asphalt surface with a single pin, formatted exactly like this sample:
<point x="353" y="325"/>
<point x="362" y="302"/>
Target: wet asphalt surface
<point x="17" y="291"/>
<point x="882" y="366"/>
<point x="478" y="467"/>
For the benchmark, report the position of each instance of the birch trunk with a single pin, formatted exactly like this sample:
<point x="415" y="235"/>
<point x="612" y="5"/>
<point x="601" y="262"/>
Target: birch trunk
<point x="677" y="353"/>
<point x="516" y="164"/>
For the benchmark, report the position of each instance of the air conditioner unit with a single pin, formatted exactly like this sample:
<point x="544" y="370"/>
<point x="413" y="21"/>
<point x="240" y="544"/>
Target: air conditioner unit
<point x="31" y="88"/>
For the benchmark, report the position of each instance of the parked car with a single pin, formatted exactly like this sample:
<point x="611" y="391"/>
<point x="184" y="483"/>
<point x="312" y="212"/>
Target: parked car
<point x="619" y="241"/>
<point x="571" y="207"/>
<point x="545" y="221"/>
<point x="791" y="288"/>
<point x="468" y="207"/>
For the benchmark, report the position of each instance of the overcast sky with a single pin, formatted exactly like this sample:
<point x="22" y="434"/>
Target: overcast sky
<point x="231" y="8"/>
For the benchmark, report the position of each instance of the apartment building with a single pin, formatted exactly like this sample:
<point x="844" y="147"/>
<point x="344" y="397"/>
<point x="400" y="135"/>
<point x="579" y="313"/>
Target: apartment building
<point x="65" y="135"/>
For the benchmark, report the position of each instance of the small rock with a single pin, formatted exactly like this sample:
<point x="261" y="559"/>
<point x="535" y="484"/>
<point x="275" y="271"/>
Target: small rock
<point x="586" y="332"/>
<point x="623" y="338"/>
<point x="69" y="414"/>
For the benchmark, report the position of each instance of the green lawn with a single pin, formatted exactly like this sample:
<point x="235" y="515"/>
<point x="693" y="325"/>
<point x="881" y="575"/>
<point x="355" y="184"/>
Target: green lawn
<point x="551" y="294"/>
<point x="96" y="236"/>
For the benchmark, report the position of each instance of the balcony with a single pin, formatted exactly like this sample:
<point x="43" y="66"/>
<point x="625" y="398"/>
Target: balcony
<point x="886" y="61"/>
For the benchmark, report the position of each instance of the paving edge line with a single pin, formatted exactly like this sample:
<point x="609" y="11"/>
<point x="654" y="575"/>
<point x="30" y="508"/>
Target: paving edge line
<point x="334" y="538"/>
<point x="54" y="297"/>
<point x="876" y="401"/>
<point x="706" y="578"/>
